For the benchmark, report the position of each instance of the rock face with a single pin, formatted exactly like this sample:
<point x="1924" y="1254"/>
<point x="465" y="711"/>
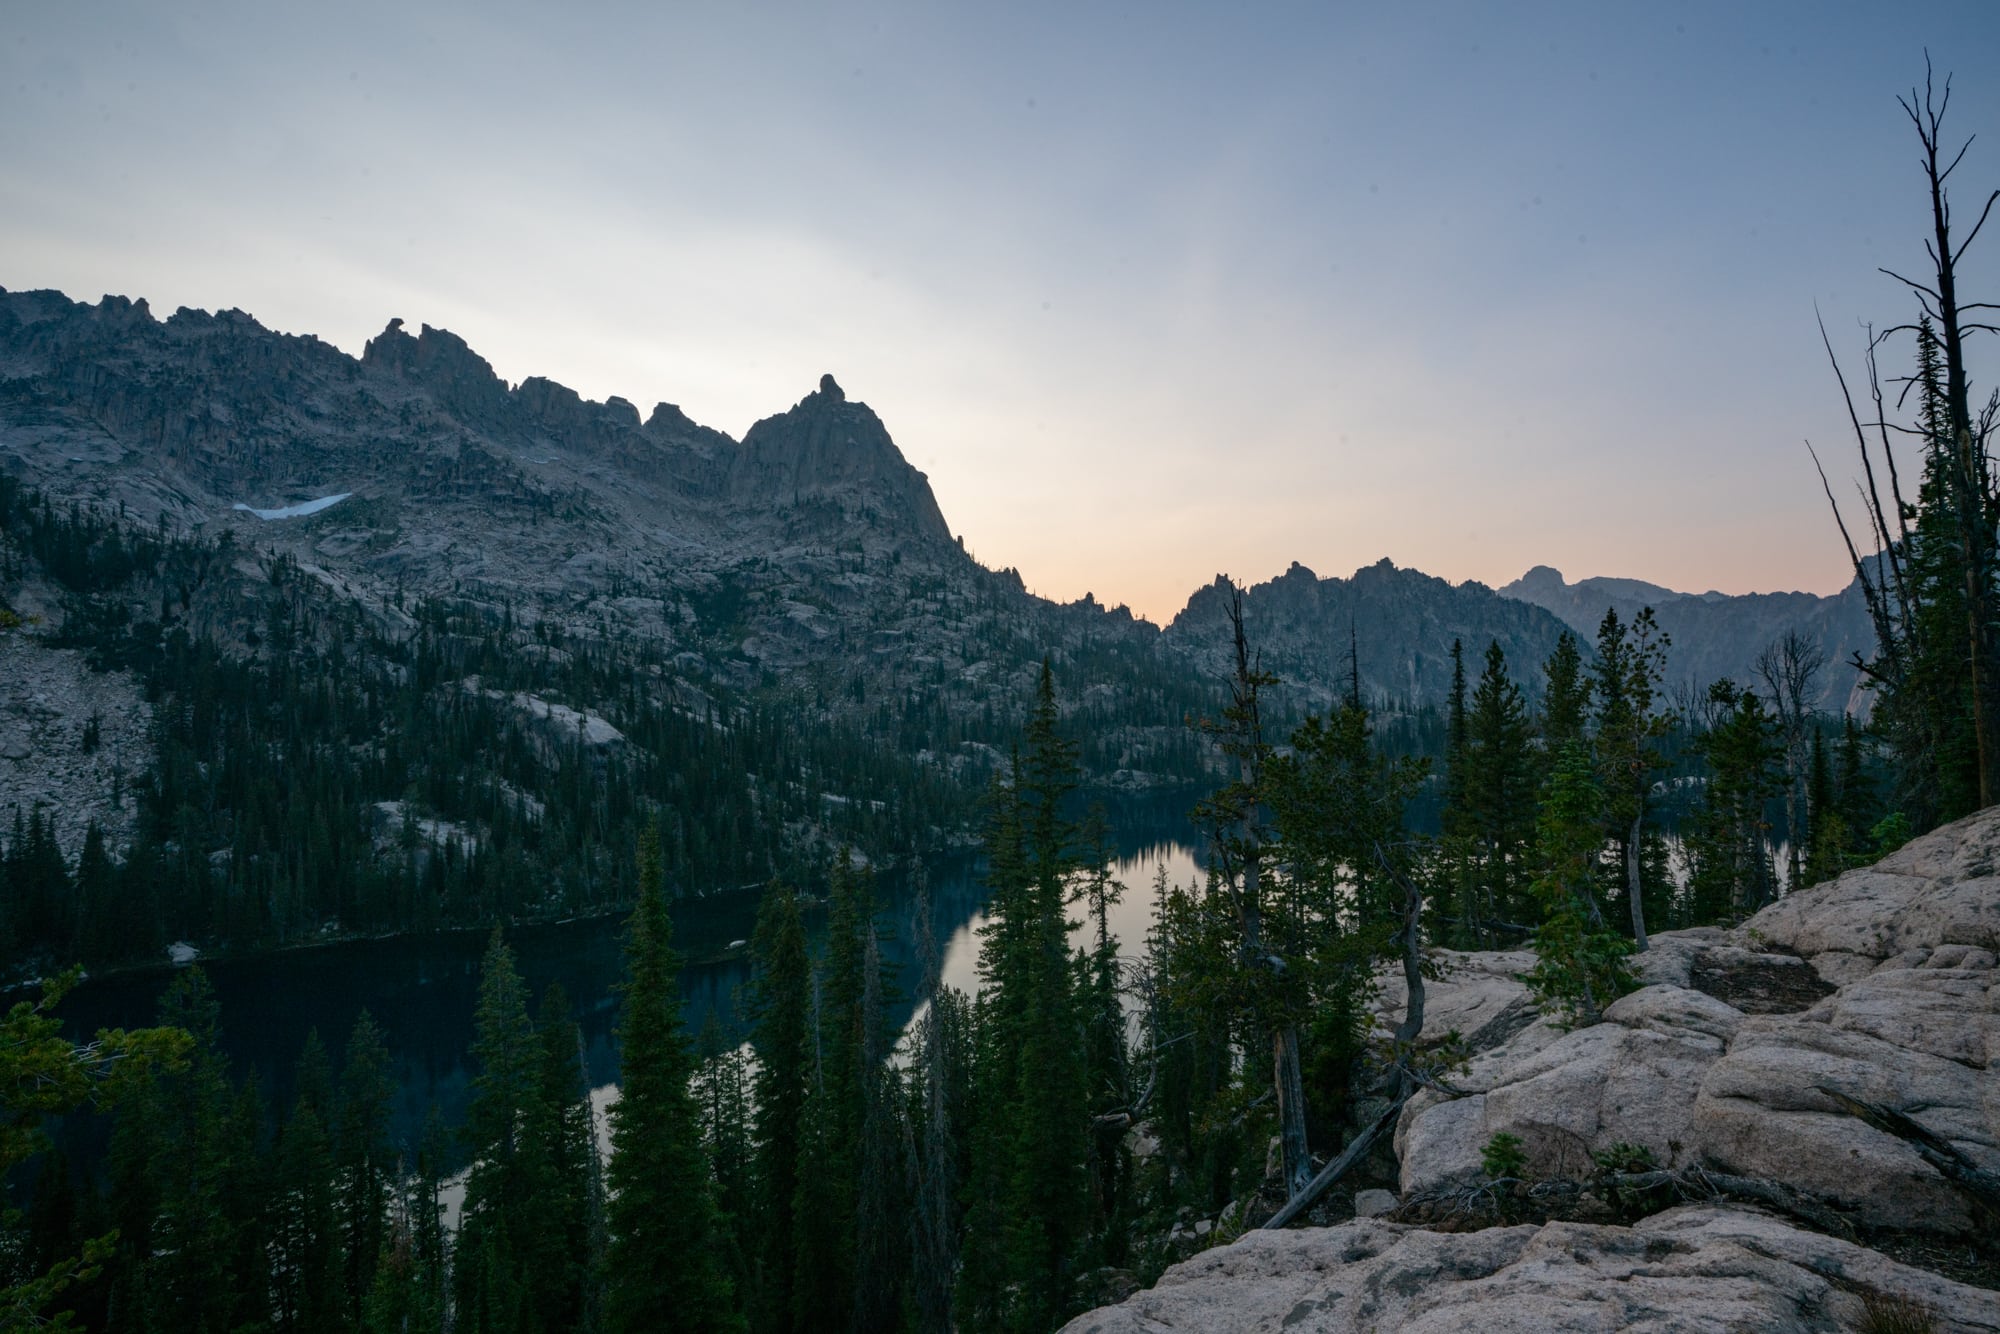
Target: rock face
<point x="1688" y="1269"/>
<point x="73" y="742"/>
<point x="809" y="554"/>
<point x="1881" y="985"/>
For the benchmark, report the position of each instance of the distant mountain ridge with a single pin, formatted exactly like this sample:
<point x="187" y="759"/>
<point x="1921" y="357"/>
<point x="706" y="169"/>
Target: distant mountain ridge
<point x="1399" y="623"/>
<point x="1718" y="635"/>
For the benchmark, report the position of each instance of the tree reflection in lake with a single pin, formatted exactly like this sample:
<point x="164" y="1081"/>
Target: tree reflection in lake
<point x="422" y="990"/>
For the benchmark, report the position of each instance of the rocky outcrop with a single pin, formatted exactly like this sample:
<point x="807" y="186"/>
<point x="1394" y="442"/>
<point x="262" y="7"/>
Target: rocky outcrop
<point x="1880" y="986"/>
<point x="74" y="743"/>
<point x="1689" y="1269"/>
<point x="836" y="454"/>
<point x="1733" y="1057"/>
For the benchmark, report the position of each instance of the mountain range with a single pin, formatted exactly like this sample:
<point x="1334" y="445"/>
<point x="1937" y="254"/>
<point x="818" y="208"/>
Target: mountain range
<point x="808" y="559"/>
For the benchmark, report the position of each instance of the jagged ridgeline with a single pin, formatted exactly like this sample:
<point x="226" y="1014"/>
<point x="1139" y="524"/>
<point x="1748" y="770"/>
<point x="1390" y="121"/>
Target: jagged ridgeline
<point x="420" y="649"/>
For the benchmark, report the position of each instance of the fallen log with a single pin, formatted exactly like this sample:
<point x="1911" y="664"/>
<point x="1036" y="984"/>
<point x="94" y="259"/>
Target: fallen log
<point x="1973" y="1181"/>
<point x="1338" y="1168"/>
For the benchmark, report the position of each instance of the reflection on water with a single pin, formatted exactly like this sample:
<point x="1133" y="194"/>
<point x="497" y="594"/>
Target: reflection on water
<point x="423" y="991"/>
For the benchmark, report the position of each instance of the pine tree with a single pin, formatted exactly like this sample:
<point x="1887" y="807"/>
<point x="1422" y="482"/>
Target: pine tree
<point x="941" y="1074"/>
<point x="559" y="1163"/>
<point x="1566" y="701"/>
<point x="1234" y="817"/>
<point x="45" y="1075"/>
<point x="1498" y="791"/>
<point x="305" y="1235"/>
<point x="364" y="1158"/>
<point x="1631" y="661"/>
<point x="781" y="1003"/>
<point x="662" y="1265"/>
<point x="185" y="1191"/>
<point x="1727" y="841"/>
<point x="490" y="1277"/>
<point x="1456" y="733"/>
<point x="1106" y="1076"/>
<point x="1029" y="1147"/>
<point x="1581" y="962"/>
<point x="722" y="1090"/>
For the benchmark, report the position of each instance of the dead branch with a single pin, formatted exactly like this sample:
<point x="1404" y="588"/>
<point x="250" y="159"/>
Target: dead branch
<point x="1356" y="1150"/>
<point x="1976" y="1183"/>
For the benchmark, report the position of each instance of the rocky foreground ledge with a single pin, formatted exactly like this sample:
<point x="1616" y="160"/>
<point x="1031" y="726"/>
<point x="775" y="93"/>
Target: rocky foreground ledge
<point x="1744" y="1053"/>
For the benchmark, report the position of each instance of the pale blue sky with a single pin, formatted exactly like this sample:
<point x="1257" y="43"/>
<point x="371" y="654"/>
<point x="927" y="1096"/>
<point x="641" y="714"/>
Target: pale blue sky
<point x="1151" y="291"/>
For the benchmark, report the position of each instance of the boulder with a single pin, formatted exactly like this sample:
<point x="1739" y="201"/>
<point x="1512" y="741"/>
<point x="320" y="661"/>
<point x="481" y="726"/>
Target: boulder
<point x="1374" y="1203"/>
<point x="1628" y="1080"/>
<point x="1703" y="1267"/>
<point x="1881" y="986"/>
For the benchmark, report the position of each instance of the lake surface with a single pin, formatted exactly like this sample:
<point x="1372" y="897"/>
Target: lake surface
<point x="422" y="990"/>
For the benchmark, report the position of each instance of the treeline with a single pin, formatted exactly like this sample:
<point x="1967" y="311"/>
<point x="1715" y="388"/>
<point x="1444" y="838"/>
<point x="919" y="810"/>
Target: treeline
<point x="321" y="768"/>
<point x="1013" y="1157"/>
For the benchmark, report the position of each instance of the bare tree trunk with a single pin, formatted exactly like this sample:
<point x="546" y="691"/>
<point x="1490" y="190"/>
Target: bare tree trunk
<point x="1632" y="879"/>
<point x="1288" y="1085"/>
<point x="1790" y="668"/>
<point x="1968" y="446"/>
<point x="1412" y="1026"/>
<point x="1291" y="1109"/>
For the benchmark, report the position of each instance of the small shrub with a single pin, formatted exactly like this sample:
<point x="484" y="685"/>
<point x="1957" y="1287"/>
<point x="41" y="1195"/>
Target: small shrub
<point x="1502" y="1157"/>
<point x="1884" y="1314"/>
<point x="1624" y="1157"/>
<point x="1892" y="831"/>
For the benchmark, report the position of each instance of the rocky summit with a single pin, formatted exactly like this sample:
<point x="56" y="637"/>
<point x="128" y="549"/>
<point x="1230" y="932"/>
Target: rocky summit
<point x="1745" y="1054"/>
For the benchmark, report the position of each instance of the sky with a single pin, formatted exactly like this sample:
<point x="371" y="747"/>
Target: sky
<point x="1150" y="291"/>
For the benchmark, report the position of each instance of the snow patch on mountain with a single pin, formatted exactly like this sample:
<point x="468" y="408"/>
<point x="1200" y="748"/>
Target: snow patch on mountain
<point x="298" y="511"/>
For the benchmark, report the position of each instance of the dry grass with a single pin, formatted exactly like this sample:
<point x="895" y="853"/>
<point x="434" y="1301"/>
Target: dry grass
<point x="1883" y="1314"/>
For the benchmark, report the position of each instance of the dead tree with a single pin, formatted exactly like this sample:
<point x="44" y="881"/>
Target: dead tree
<point x="1971" y="484"/>
<point x="1957" y="435"/>
<point x="1790" y="668"/>
<point x="1235" y="814"/>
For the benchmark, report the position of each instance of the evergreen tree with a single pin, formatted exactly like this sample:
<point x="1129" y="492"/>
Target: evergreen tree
<point x="1455" y="739"/>
<point x="722" y="1089"/>
<point x="1580" y="965"/>
<point x="1566" y="703"/>
<point x="102" y="931"/>
<point x="1353" y="890"/>
<point x="1235" y="819"/>
<point x="46" y="1075"/>
<point x="781" y="1005"/>
<point x="1028" y="1189"/>
<point x="408" y="1293"/>
<point x="560" y="1162"/>
<point x="490" y="1277"/>
<point x="941" y="1089"/>
<point x="1498" y="793"/>
<point x="1631" y="661"/>
<point x="1106" y="1076"/>
<point x="364" y="1159"/>
<point x="662" y="1265"/>
<point x="306" y="1260"/>
<point x="187" y="1197"/>
<point x="1727" y="842"/>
